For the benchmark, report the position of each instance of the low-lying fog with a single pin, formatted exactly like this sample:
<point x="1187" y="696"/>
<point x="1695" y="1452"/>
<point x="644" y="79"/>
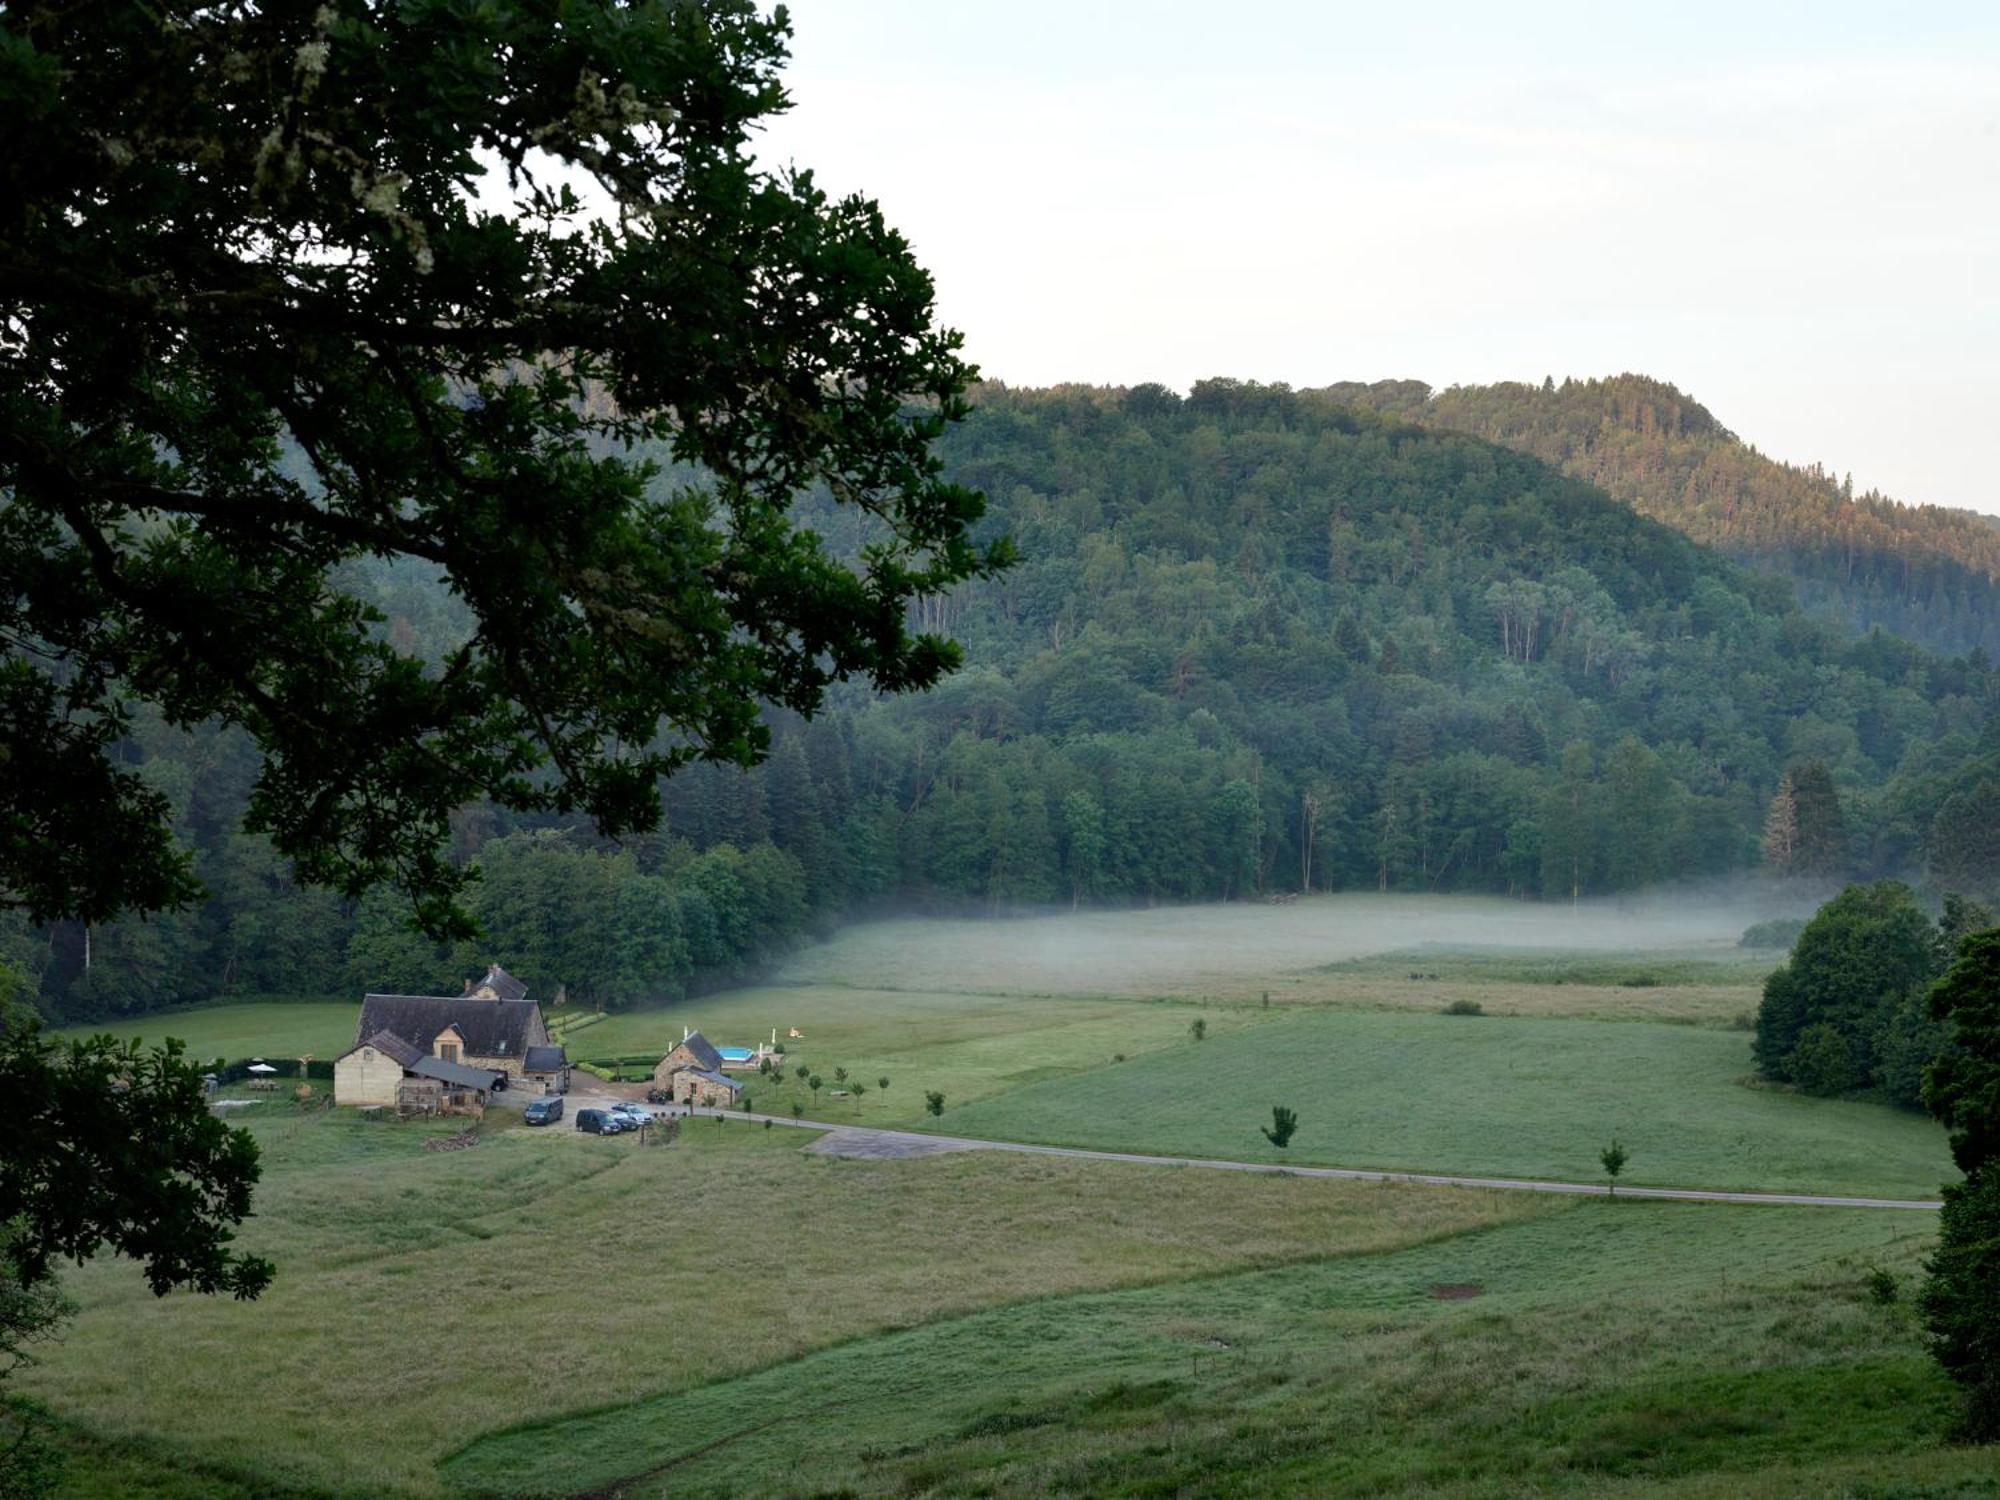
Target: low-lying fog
<point x="1174" y="948"/>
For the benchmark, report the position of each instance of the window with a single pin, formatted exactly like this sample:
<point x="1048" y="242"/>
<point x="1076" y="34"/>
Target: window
<point x="448" y="1051"/>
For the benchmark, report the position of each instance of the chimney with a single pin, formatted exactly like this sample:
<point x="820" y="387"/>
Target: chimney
<point x="468" y="988"/>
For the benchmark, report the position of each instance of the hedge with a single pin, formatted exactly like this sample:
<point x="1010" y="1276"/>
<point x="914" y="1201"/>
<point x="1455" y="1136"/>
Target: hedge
<point x="281" y="1067"/>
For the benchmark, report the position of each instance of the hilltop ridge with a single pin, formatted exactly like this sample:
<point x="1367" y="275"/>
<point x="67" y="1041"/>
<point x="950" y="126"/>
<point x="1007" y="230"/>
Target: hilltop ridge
<point x="1928" y="572"/>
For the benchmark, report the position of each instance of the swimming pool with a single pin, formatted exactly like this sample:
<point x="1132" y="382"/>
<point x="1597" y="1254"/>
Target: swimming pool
<point x="735" y="1054"/>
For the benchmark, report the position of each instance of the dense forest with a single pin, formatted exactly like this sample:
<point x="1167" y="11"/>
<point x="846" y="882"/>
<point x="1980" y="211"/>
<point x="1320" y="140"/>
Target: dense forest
<point x="1259" y="641"/>
<point x="1923" y="571"/>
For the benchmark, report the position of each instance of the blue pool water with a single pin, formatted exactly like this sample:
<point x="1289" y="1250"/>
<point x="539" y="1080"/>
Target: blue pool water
<point x="736" y="1054"/>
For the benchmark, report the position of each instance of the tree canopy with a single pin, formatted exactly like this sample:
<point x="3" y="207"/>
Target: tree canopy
<point x="1927" y="572"/>
<point x="494" y="293"/>
<point x="113" y="1147"/>
<point x="1961" y="1299"/>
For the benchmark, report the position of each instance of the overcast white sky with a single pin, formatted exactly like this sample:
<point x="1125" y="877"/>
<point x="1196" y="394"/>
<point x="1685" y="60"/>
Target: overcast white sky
<point x="1790" y="211"/>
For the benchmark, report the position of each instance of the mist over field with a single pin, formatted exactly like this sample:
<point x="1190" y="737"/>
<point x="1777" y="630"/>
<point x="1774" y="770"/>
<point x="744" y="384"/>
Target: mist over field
<point x="1223" y="947"/>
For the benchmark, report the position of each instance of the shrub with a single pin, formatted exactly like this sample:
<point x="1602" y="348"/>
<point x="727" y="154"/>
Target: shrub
<point x="1198" y="1029"/>
<point x="1284" y="1123"/>
<point x="1882" y="1286"/>
<point x="1779" y="932"/>
<point x="1614" y="1157"/>
<point x="1465" y="1008"/>
<point x="934" y="1102"/>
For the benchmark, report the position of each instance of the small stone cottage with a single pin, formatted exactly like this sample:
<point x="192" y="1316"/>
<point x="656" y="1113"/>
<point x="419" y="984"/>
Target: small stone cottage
<point x="476" y="1041"/>
<point x="692" y="1074"/>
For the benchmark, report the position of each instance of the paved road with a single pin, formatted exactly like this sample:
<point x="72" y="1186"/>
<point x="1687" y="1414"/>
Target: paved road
<point x="863" y="1140"/>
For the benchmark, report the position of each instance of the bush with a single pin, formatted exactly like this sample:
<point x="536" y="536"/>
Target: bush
<point x="1882" y="1286"/>
<point x="1284" y="1124"/>
<point x="1779" y="932"/>
<point x="1465" y="1008"/>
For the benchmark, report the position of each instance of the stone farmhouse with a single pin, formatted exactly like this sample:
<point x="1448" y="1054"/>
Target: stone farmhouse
<point x="437" y="1051"/>
<point x="692" y="1074"/>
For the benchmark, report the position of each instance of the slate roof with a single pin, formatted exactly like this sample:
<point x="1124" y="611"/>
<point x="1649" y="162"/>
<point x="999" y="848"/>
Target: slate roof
<point x="389" y="1045"/>
<point x="504" y="985"/>
<point x="491" y="1028"/>
<point x="734" y="1085"/>
<point x="544" y="1060"/>
<point x="703" y="1051"/>
<point x="456" y="1074"/>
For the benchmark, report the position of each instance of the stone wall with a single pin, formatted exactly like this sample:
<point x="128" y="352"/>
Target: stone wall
<point x="366" y="1076"/>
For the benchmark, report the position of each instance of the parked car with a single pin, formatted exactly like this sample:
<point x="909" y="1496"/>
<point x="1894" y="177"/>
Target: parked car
<point x="634" y="1114"/>
<point x="544" y="1111"/>
<point x="599" y="1122"/>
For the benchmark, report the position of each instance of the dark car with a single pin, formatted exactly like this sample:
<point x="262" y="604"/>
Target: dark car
<point x="545" y="1111"/>
<point x="599" y="1122"/>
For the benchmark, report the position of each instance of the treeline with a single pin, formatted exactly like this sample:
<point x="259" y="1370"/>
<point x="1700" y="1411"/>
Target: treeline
<point x="1927" y="572"/>
<point x="1259" y="642"/>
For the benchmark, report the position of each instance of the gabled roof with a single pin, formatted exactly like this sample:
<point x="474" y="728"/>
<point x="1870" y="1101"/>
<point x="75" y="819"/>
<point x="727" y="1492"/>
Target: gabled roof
<point x="391" y="1045"/>
<point x="709" y="1075"/>
<point x="504" y="985"/>
<point x="387" y="1043"/>
<point x="544" y="1060"/>
<point x="456" y="1074"/>
<point x="490" y="1028"/>
<point x="701" y="1050"/>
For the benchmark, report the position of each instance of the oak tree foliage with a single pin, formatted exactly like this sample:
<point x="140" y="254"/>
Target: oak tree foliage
<point x="497" y="292"/>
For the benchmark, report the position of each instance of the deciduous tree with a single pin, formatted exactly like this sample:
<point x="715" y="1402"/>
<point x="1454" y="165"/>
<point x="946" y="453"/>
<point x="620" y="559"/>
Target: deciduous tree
<point x="286" y="286"/>
<point x="1961" y="1299"/>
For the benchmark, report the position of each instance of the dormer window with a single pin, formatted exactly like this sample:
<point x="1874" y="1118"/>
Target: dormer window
<point x="448" y="1051"/>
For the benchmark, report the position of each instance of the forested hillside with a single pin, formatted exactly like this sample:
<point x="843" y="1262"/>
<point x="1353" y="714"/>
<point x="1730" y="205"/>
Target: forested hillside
<point x="1258" y="642"/>
<point x="1922" y="571"/>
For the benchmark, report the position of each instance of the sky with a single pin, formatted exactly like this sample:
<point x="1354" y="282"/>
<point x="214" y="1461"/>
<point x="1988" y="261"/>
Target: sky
<point x="1792" y="212"/>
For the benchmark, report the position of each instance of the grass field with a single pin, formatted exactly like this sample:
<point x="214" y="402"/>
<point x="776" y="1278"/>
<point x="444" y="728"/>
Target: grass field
<point x="544" y="1271"/>
<point x="970" y="1046"/>
<point x="1236" y="951"/>
<point x="1602" y="1342"/>
<point x="1484" y="1095"/>
<point x="320" y="1028"/>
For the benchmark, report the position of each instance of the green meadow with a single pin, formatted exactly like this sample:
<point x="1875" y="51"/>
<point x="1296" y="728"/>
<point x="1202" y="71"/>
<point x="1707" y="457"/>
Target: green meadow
<point x="1599" y="1347"/>
<point x="1486" y="1095"/>
<point x="543" y="1271"/>
<point x="264" y="1028"/>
